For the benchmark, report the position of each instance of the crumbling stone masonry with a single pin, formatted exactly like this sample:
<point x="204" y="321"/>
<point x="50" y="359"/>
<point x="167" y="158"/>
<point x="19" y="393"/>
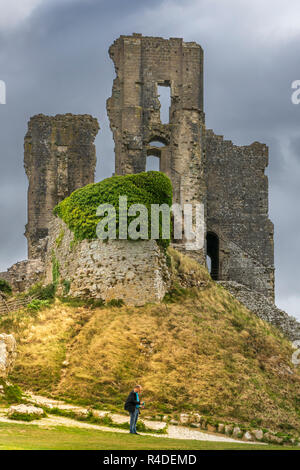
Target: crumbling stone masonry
<point x="142" y="64"/>
<point x="135" y="272"/>
<point x="240" y="234"/>
<point x="59" y="157"/>
<point x="229" y="180"/>
<point x="24" y="274"/>
<point x="264" y="309"/>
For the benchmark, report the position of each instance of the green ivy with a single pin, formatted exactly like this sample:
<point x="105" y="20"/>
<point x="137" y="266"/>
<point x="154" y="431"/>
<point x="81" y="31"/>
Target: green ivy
<point x="66" y="286"/>
<point x="36" y="304"/>
<point x="78" y="210"/>
<point x="5" y="287"/>
<point x="55" y="270"/>
<point x="72" y="244"/>
<point x="60" y="237"/>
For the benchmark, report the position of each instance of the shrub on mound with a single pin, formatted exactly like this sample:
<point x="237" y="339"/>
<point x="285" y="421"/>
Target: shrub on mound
<point x="5" y="287"/>
<point x="9" y="392"/>
<point x="78" y="210"/>
<point x="36" y="304"/>
<point x="43" y="292"/>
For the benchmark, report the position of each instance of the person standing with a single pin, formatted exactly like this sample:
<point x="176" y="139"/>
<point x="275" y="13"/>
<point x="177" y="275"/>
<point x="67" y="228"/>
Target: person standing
<point x="133" y="405"/>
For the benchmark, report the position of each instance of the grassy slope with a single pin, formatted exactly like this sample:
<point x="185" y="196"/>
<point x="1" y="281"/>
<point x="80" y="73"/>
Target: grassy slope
<point x="203" y="352"/>
<point x="31" y="437"/>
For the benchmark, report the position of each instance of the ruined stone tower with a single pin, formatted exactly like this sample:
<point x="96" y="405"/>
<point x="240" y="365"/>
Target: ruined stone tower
<point x="229" y="180"/>
<point x="59" y="158"/>
<point x="142" y="65"/>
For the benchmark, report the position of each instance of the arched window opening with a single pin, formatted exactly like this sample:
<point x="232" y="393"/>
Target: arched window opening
<point x="212" y="243"/>
<point x="156" y="143"/>
<point x="153" y="163"/>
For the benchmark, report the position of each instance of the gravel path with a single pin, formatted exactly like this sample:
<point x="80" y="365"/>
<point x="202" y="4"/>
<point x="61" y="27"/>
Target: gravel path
<point x="174" y="432"/>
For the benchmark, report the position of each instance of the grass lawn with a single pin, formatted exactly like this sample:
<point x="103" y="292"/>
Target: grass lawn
<point x="17" y="436"/>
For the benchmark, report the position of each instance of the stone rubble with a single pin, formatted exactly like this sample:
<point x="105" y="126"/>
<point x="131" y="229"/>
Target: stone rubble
<point x="264" y="309"/>
<point x="25" y="410"/>
<point x="8" y="348"/>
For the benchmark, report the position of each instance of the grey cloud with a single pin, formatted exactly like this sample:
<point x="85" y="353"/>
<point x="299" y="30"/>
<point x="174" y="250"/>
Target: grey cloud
<point x="57" y="61"/>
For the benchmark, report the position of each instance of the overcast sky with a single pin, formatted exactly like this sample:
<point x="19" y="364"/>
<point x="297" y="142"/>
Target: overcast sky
<point x="54" y="59"/>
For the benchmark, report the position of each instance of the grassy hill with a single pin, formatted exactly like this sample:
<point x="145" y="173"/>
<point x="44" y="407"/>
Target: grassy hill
<point x="200" y="350"/>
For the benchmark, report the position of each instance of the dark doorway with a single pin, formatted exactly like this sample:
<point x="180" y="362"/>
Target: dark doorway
<point x="212" y="243"/>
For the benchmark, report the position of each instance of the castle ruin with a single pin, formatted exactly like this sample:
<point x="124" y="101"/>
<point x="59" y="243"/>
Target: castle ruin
<point x="204" y="168"/>
<point x="229" y="180"/>
<point x="59" y="157"/>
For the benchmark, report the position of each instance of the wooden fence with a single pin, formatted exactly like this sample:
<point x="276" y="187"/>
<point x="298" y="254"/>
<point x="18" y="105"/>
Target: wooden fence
<point x="12" y="305"/>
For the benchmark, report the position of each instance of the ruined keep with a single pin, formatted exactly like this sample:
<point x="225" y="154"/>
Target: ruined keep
<point x="142" y="64"/>
<point x="203" y="167"/>
<point x="229" y="180"/>
<point x="59" y="157"/>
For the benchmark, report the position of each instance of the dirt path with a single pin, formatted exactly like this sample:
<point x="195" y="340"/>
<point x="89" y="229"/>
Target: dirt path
<point x="173" y="432"/>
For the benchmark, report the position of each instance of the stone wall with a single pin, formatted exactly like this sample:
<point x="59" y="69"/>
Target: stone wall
<point x="264" y="309"/>
<point x="59" y="157"/>
<point x="22" y="275"/>
<point x="134" y="271"/>
<point x="237" y="212"/>
<point x="229" y="180"/>
<point x="142" y="64"/>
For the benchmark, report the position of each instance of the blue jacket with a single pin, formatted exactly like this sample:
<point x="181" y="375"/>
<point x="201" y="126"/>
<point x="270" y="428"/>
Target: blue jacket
<point x="131" y="402"/>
